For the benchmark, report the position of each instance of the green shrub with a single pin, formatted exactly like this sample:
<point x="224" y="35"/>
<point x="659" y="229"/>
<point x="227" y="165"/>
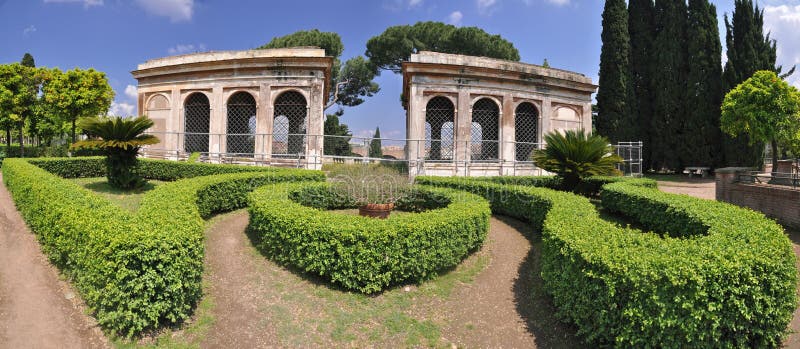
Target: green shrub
<point x="591" y="186"/>
<point x="551" y="182"/>
<point x="162" y="170"/>
<point x="729" y="283"/>
<point x="135" y="271"/>
<point x="360" y="253"/>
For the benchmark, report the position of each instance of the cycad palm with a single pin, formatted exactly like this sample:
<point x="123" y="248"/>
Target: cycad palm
<point x="575" y="155"/>
<point x="121" y="139"/>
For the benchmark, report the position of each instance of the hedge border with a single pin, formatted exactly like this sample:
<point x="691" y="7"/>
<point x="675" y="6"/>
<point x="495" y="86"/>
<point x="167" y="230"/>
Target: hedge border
<point x="136" y="271"/>
<point x="732" y="285"/>
<point x="366" y="254"/>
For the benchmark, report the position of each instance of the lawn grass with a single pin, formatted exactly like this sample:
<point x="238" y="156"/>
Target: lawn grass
<point x="127" y="199"/>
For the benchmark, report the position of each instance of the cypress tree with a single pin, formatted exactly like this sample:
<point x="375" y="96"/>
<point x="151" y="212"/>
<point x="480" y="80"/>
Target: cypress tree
<point x="375" y="147"/>
<point x="27" y="60"/>
<point x="669" y="82"/>
<point x="641" y="27"/>
<point x="614" y="96"/>
<point x="700" y="145"/>
<point x="748" y="51"/>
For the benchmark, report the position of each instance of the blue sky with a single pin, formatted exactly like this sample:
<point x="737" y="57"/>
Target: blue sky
<point x="115" y="35"/>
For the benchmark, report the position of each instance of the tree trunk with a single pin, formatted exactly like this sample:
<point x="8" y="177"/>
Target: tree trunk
<point x="73" y="132"/>
<point x="774" y="145"/>
<point x="8" y="140"/>
<point x="21" y="145"/>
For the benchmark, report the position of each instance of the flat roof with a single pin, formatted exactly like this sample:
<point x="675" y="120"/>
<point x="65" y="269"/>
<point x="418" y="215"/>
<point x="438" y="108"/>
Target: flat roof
<point x="430" y="57"/>
<point x="203" y="57"/>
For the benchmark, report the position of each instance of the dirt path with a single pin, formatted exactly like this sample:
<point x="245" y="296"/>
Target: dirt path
<point x="703" y="188"/>
<point x="236" y="288"/>
<point x="503" y="306"/>
<point x="37" y="308"/>
<point x="506" y="306"/>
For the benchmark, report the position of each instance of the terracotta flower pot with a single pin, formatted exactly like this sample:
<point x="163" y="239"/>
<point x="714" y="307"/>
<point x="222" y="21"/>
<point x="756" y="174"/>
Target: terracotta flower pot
<point x="376" y="210"/>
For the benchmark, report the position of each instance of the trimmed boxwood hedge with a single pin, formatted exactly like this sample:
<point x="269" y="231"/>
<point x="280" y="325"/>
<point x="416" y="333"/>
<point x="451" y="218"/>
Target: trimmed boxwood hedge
<point x="163" y="170"/>
<point x="135" y="271"/>
<point x="729" y="283"/>
<point x="366" y="254"/>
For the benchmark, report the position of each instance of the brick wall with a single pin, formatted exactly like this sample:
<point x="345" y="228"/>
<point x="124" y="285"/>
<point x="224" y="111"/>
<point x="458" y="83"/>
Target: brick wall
<point x="779" y="202"/>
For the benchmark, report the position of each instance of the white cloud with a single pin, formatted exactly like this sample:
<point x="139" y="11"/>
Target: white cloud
<point x="782" y="22"/>
<point x="131" y="92"/>
<point x="455" y="18"/>
<point x="559" y="2"/>
<point x="121" y="109"/>
<point x="30" y="29"/>
<point x="486" y="6"/>
<point x="176" y="10"/>
<point x="187" y="48"/>
<point x="86" y="3"/>
<point x="413" y="3"/>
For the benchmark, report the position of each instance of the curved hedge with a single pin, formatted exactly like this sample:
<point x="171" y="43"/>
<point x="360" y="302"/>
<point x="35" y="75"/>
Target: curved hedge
<point x="729" y="283"/>
<point x="163" y="170"/>
<point x="135" y="271"/>
<point x="366" y="254"/>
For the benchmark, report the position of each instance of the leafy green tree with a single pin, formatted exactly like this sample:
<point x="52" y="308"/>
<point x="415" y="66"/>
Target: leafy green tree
<point x="339" y="143"/>
<point x="701" y="136"/>
<point x="396" y="44"/>
<point x="120" y="138"/>
<point x="615" y="95"/>
<point x="669" y="81"/>
<point x="18" y="94"/>
<point x="767" y="109"/>
<point x="350" y="82"/>
<point x="575" y="155"/>
<point x="77" y="93"/>
<point x="546" y="64"/>
<point x="375" y="148"/>
<point x="642" y="29"/>
<point x="748" y="51"/>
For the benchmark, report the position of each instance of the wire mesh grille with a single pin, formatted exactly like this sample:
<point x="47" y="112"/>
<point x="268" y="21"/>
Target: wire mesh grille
<point x="439" y="130"/>
<point x="484" y="135"/>
<point x="289" y="125"/>
<point x="525" y="132"/>
<point x="241" y="123"/>
<point x="197" y="115"/>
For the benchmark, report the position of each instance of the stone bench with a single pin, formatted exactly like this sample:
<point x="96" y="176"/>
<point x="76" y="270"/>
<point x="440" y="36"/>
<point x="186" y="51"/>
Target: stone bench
<point x="702" y="171"/>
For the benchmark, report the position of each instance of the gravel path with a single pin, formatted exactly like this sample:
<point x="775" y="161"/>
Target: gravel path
<point x="37" y="308"/>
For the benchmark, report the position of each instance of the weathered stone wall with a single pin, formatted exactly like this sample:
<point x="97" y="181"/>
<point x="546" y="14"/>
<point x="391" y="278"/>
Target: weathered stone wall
<point x="779" y="202"/>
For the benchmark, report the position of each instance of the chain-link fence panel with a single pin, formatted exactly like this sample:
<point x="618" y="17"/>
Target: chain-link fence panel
<point x="484" y="135"/>
<point x="439" y="129"/>
<point x="241" y="124"/>
<point x="289" y="125"/>
<point x="197" y="115"/>
<point x="525" y="131"/>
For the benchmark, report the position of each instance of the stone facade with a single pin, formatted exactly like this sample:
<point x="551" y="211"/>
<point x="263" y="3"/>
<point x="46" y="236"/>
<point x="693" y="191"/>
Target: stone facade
<point x="239" y="100"/>
<point x="480" y="116"/>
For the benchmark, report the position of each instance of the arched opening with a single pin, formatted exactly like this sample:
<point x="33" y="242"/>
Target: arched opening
<point x="289" y="125"/>
<point x="196" y="118"/>
<point x="525" y="130"/>
<point x="485" y="130"/>
<point x="241" y="123"/>
<point x="439" y="130"/>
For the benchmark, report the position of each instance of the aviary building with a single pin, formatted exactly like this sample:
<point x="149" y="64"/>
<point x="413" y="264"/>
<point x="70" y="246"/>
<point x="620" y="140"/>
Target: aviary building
<point x="465" y="115"/>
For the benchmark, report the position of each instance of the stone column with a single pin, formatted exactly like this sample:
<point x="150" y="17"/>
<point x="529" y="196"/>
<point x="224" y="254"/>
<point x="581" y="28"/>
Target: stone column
<point x="316" y="113"/>
<point x="507" y="134"/>
<point x="463" y="126"/>
<point x="217" y="123"/>
<point x="174" y="124"/>
<point x="414" y="125"/>
<point x="547" y="114"/>
<point x="586" y="119"/>
<point x="262" y="121"/>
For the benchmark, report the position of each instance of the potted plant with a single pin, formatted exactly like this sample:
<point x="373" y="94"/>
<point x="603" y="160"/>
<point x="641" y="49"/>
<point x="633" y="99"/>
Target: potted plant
<point x="375" y="188"/>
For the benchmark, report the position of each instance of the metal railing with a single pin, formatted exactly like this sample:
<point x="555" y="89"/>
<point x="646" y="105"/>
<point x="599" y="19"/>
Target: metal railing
<point x="419" y="156"/>
<point x="773" y="178"/>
